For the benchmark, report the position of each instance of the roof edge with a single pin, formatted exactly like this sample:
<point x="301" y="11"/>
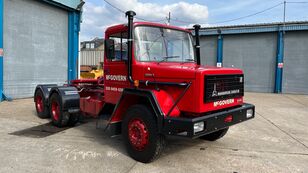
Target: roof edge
<point x="73" y="5"/>
<point x="255" y="28"/>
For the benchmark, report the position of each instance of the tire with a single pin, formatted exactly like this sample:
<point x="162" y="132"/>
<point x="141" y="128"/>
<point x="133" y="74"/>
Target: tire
<point x="58" y="117"/>
<point x="73" y="119"/>
<point x="42" y="109"/>
<point x="140" y="120"/>
<point x="215" y="135"/>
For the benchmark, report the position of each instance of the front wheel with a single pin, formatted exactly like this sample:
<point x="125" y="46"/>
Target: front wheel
<point x="140" y="134"/>
<point x="215" y="135"/>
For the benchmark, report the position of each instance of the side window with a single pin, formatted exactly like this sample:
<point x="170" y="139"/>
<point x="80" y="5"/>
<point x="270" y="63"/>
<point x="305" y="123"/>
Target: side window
<point x="120" y="41"/>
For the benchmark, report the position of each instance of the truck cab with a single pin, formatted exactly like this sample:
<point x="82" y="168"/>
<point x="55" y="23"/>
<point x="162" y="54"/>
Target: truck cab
<point x="154" y="86"/>
<point x="163" y="59"/>
<point x="157" y="67"/>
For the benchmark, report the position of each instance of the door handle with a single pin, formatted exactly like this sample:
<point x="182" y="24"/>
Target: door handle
<point x="148" y="75"/>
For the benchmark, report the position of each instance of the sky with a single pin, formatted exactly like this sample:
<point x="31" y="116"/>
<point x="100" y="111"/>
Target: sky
<point x="98" y="15"/>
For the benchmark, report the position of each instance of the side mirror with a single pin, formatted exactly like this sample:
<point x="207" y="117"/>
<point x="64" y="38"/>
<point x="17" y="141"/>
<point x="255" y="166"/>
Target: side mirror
<point x="109" y="48"/>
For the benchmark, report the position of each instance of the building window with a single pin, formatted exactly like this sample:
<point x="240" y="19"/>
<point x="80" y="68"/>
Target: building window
<point x="88" y="45"/>
<point x="92" y="46"/>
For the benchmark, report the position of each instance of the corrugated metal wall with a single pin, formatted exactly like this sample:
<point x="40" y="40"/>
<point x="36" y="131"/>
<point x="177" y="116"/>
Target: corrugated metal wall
<point x="255" y="54"/>
<point x="36" y="46"/>
<point x="295" y="74"/>
<point x="273" y="56"/>
<point x="91" y="57"/>
<point x="208" y="47"/>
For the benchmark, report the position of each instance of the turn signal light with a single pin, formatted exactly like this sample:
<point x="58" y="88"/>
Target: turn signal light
<point x="228" y="119"/>
<point x="136" y="83"/>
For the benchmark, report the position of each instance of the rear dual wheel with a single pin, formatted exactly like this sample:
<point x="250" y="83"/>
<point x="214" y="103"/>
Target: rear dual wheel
<point x="59" y="117"/>
<point x="41" y="105"/>
<point x="140" y="134"/>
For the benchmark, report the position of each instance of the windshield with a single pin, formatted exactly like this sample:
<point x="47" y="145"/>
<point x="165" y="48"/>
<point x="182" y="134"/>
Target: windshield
<point x="161" y="44"/>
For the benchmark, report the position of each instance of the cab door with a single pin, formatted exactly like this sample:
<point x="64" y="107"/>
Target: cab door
<point x="115" y="68"/>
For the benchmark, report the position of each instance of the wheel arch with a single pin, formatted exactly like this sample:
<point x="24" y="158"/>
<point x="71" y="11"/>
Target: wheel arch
<point x="45" y="89"/>
<point x="69" y="97"/>
<point x="132" y="97"/>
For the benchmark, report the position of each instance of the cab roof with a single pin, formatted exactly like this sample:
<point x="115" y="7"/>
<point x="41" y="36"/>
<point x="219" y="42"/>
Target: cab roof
<point x="122" y="26"/>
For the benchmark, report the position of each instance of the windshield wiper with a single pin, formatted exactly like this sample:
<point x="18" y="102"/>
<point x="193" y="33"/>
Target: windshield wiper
<point x="168" y="57"/>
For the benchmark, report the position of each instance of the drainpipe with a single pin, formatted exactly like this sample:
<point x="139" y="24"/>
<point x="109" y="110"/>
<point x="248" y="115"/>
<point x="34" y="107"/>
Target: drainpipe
<point x="1" y="51"/>
<point x="279" y="62"/>
<point x="219" y="49"/>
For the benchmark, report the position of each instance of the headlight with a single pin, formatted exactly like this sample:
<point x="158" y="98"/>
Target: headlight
<point x="198" y="127"/>
<point x="249" y="113"/>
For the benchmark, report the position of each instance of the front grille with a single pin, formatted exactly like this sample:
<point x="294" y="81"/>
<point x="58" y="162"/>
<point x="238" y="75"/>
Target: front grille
<point x="220" y="87"/>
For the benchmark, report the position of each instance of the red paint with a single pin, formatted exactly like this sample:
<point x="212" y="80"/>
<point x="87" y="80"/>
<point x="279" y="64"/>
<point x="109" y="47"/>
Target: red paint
<point x="210" y="106"/>
<point x="166" y="102"/>
<point x="160" y="25"/>
<point x="121" y="27"/>
<point x="228" y="119"/>
<point x="123" y="106"/>
<point x="55" y="110"/>
<point x="91" y="105"/>
<point x="114" y="68"/>
<point x="79" y="81"/>
<point x="138" y="134"/>
<point x="39" y="104"/>
<point x="184" y="72"/>
<point x="112" y="87"/>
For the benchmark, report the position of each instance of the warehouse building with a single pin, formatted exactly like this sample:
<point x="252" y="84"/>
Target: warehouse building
<point x="274" y="56"/>
<point x="92" y="52"/>
<point x="38" y="44"/>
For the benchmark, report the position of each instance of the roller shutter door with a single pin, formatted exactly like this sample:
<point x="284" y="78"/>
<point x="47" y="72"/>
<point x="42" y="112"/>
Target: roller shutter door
<point x="255" y="54"/>
<point x="35" y="46"/>
<point x="295" y="72"/>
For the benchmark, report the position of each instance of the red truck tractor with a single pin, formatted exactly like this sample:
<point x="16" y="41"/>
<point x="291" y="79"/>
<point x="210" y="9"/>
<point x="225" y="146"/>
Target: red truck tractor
<point x="153" y="87"/>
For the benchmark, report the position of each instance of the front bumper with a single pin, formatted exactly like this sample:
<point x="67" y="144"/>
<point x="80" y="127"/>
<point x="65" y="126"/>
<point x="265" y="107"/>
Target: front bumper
<point x="179" y="126"/>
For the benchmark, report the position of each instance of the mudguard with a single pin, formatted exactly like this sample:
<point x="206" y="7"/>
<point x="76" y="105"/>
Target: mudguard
<point x="70" y="98"/>
<point x="159" y="100"/>
<point x="45" y="90"/>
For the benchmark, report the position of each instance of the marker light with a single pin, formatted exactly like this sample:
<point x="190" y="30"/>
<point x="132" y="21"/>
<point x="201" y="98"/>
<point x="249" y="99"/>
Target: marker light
<point x="136" y="83"/>
<point x="228" y="119"/>
<point x="198" y="127"/>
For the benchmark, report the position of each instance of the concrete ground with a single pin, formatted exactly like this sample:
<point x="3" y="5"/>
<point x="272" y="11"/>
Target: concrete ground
<point x="275" y="141"/>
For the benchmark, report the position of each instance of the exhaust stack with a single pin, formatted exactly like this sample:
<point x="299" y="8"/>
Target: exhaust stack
<point x="130" y="15"/>
<point x="197" y="46"/>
